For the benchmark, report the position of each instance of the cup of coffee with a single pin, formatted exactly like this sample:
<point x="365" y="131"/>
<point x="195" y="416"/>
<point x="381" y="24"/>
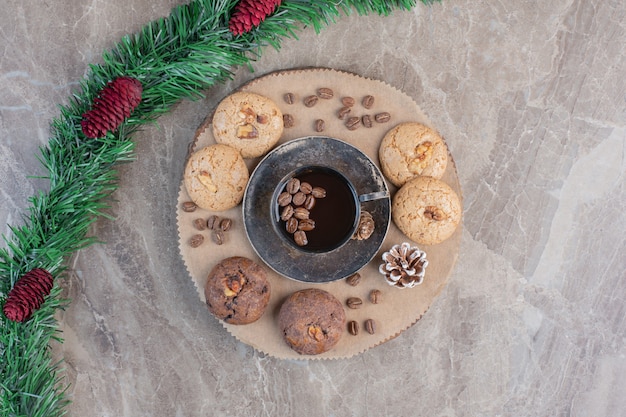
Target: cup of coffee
<point x="317" y="209"/>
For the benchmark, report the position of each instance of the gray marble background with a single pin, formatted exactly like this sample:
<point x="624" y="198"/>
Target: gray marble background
<point x="531" y="97"/>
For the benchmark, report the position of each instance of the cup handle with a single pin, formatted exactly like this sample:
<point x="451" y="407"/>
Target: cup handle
<point x="373" y="196"/>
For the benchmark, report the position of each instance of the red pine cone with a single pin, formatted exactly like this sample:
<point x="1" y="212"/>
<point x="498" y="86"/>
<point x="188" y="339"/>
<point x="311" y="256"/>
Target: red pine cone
<point x="114" y="104"/>
<point x="28" y="294"/>
<point x="250" y="13"/>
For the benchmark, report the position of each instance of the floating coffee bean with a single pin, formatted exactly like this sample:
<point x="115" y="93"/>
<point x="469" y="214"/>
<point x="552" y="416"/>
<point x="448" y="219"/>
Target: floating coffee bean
<point x="375" y="296"/>
<point x="292" y="225"/>
<point x="305" y="187"/>
<point x="300" y="238"/>
<point x="289" y="98"/>
<point x="196" y="240"/>
<point x="383" y="117"/>
<point x="354" y="279"/>
<point x="310" y="101"/>
<point x="353" y="327"/>
<point x="354" y="302"/>
<point x="366" y="120"/>
<point x="325" y="93"/>
<point x="318" y="192"/>
<point x="199" y="224"/>
<point x="226" y="224"/>
<point x="343" y="113"/>
<point x="370" y="326"/>
<point x="309" y="203"/>
<point x="368" y="101"/>
<point x="306" y="225"/>
<point x="286" y="213"/>
<point x="301" y="213"/>
<point x="347" y="101"/>
<point x="320" y="125"/>
<point x="218" y="237"/>
<point x="212" y="222"/>
<point x="293" y="186"/>
<point x="288" y="120"/>
<point x="298" y="198"/>
<point x="284" y="199"/>
<point x="189" y="206"/>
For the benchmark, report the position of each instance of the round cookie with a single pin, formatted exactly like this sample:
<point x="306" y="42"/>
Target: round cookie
<point x="311" y="321"/>
<point x="237" y="290"/>
<point x="427" y="210"/>
<point x="412" y="149"/>
<point x="248" y="122"/>
<point x="215" y="177"/>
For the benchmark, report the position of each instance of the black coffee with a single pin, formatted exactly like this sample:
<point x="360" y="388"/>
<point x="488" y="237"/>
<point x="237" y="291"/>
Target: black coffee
<point x="334" y="215"/>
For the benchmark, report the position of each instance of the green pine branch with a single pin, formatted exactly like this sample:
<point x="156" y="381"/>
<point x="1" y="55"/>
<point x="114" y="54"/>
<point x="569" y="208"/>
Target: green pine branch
<point x="175" y="58"/>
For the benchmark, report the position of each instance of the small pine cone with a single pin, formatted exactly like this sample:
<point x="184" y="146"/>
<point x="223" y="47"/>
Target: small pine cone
<point x="114" y="104"/>
<point x="250" y="13"/>
<point x="28" y="294"/>
<point x="404" y="266"/>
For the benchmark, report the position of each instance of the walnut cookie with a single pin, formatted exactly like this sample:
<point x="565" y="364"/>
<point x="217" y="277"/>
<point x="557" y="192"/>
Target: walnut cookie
<point x="427" y="210"/>
<point x="215" y="177"/>
<point x="412" y="149"/>
<point x="249" y="122"/>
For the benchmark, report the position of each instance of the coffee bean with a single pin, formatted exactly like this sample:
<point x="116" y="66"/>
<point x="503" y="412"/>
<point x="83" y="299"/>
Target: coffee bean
<point x="199" y="224"/>
<point x="212" y="222"/>
<point x="226" y="224"/>
<point x="292" y="225"/>
<point x="289" y="98"/>
<point x="196" y="240"/>
<point x="318" y="192"/>
<point x="286" y="213"/>
<point x="284" y="199"/>
<point x="306" y="188"/>
<point x="375" y="296"/>
<point x="353" y="327"/>
<point x="320" y="125"/>
<point x="347" y="101"/>
<point x="298" y="198"/>
<point x="300" y="238"/>
<point x="306" y="225"/>
<point x="370" y="326"/>
<point x="354" y="279"/>
<point x="366" y="120"/>
<point x="293" y="186"/>
<point x="325" y="93"/>
<point x="309" y="203"/>
<point x="368" y="101"/>
<point x="301" y="213"/>
<point x="189" y="206"/>
<point x="354" y="302"/>
<point x="218" y="237"/>
<point x="288" y="120"/>
<point x="343" y="112"/>
<point x="383" y="117"/>
<point x="353" y="123"/>
<point x="310" y="101"/>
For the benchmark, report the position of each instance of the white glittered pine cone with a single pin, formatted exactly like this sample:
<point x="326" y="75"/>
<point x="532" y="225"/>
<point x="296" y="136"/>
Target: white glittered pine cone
<point x="404" y="265"/>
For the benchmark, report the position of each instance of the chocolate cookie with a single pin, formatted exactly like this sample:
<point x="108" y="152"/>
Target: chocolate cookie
<point x="427" y="210"/>
<point x="412" y="149"/>
<point x="311" y="321"/>
<point x="237" y="290"/>
<point x="215" y="177"/>
<point x="248" y="122"/>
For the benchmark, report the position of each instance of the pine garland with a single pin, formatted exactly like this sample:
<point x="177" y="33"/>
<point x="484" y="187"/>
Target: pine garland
<point x="174" y="58"/>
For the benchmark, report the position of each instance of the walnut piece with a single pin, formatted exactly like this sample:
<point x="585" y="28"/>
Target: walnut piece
<point x="316" y="332"/>
<point x="247" y="131"/>
<point x="423" y="153"/>
<point x="205" y="179"/>
<point x="434" y="213"/>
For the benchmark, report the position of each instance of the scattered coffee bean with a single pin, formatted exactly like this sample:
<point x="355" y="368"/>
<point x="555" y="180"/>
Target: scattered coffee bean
<point x="292" y="225"/>
<point x="293" y="186"/>
<point x="310" y="101"/>
<point x="354" y="279"/>
<point x="301" y="213"/>
<point x="353" y="123"/>
<point x="286" y="213"/>
<point x="370" y="326"/>
<point x="218" y="237"/>
<point x="226" y="224"/>
<point x="189" y="206"/>
<point x="288" y="120"/>
<point x="325" y="93"/>
<point x="366" y="120"/>
<point x="289" y="98"/>
<point x="375" y="296"/>
<point x="284" y="199"/>
<point x="368" y="101"/>
<point x="212" y="222"/>
<point x="318" y="192"/>
<point x="199" y="224"/>
<point x="320" y="125"/>
<point x="343" y="112"/>
<point x="196" y="240"/>
<point x="347" y="101"/>
<point x="300" y="238"/>
<point x="306" y="225"/>
<point x="354" y="302"/>
<point x="383" y="117"/>
<point x="353" y="327"/>
<point x="309" y="203"/>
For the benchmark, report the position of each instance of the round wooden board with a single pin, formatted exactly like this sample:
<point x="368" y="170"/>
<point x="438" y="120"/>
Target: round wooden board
<point x="399" y="308"/>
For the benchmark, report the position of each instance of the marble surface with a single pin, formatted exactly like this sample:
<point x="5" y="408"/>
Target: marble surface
<point x="531" y="97"/>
